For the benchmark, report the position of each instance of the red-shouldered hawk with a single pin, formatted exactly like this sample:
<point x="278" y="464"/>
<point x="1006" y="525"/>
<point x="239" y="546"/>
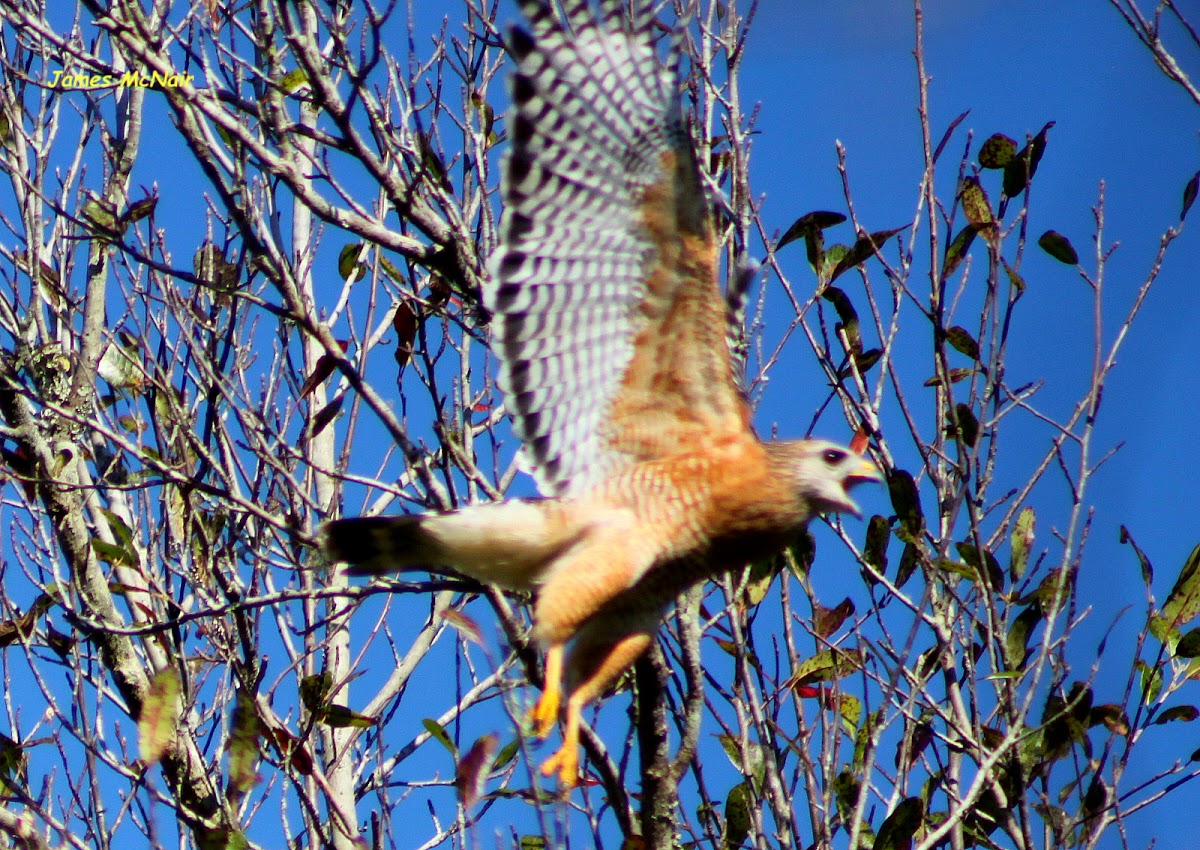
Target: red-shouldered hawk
<point x="611" y="334"/>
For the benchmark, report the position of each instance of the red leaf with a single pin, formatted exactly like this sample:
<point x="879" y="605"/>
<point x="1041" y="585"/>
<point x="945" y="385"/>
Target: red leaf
<point x="404" y="323"/>
<point x="862" y="438"/>
<point x="326" y="363"/>
<point x="472" y="770"/>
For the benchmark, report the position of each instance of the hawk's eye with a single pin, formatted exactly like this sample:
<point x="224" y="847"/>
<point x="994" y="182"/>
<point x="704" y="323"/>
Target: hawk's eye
<point x="834" y="456"/>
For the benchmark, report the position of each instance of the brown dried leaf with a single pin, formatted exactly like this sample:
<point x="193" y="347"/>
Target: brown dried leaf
<point x="826" y="621"/>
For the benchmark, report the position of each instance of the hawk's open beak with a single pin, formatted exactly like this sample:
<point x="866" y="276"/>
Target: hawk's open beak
<point x="865" y="473"/>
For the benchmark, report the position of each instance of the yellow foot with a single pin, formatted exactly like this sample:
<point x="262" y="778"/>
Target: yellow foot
<point x="544" y="715"/>
<point x="565" y="763"/>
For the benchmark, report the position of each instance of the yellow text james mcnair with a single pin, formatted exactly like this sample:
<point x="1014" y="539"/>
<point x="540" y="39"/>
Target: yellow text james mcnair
<point x="61" y="79"/>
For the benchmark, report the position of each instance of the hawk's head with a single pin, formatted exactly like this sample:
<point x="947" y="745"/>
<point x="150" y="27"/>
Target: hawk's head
<point x="824" y="473"/>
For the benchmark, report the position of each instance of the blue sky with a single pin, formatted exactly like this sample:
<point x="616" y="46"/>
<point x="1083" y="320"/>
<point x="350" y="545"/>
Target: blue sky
<point x="844" y="71"/>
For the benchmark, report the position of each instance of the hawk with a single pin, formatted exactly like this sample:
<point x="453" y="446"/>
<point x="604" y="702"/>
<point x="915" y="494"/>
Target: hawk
<point x="610" y="330"/>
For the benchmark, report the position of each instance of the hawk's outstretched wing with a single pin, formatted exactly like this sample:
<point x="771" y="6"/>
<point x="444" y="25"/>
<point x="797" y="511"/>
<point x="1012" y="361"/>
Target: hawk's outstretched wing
<point x="608" y="321"/>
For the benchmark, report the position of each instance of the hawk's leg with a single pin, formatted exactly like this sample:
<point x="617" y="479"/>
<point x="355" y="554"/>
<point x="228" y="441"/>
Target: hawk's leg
<point x="575" y="604"/>
<point x="545" y="714"/>
<point x="595" y="664"/>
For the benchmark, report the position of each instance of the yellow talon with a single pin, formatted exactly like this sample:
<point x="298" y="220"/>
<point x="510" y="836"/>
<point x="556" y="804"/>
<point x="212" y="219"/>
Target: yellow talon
<point x="565" y="763"/>
<point x="545" y="714"/>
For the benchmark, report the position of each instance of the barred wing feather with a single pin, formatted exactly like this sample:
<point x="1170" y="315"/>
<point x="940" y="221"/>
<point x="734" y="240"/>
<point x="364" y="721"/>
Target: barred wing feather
<point x="608" y="322"/>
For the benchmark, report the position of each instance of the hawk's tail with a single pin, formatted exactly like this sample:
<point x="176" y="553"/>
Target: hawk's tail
<point x="371" y="545"/>
<point x="508" y="543"/>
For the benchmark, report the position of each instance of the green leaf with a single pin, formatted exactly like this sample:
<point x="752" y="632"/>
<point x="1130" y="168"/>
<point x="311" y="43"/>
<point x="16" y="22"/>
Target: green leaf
<point x="1017" y="282"/>
<point x="1017" y="642"/>
<point x="960" y="340"/>
<point x="292" y="80"/>
<point x="1113" y="717"/>
<point x="112" y="554"/>
<point x="850" y="708"/>
<point x="1183" y="603"/>
<point x="212" y="269"/>
<point x="100" y="213"/>
<point x="431" y="161"/>
<point x="997" y="151"/>
<point x="341" y="717"/>
<point x="907" y="505"/>
<point x="222" y="838"/>
<point x="389" y="269"/>
<point x="487" y="115"/>
<point x="57" y="641"/>
<point x="754" y="760"/>
<point x="968" y="426"/>
<point x="1189" y="195"/>
<point x="121" y="531"/>
<point x="987" y="567"/>
<point x="863" y="249"/>
<point x="22" y="627"/>
<point x="159" y="717"/>
<point x="1065" y="721"/>
<point x="1058" y="247"/>
<point x="848" y="315"/>
<point x="1021" y="542"/>
<point x="910" y="559"/>
<point x="901" y="825"/>
<point x="1189" y="645"/>
<point x="759" y="576"/>
<point x="863" y="361"/>
<point x="1058" y="821"/>
<point x="314" y="690"/>
<point x="827" y="666"/>
<point x="879" y="533"/>
<point x="829" y="257"/>
<point x="436" y="731"/>
<point x="956" y="252"/>
<point x="1185" y="713"/>
<point x="1152" y="682"/>
<point x="532" y="842"/>
<point x="14" y="766"/>
<point x="349" y="265"/>
<point x="507" y="753"/>
<point x="846" y="791"/>
<point x="957" y="568"/>
<point x="953" y="376"/>
<point x="739" y="809"/>
<point x="975" y="205"/>
<point x="1143" y="561"/>
<point x="243" y="747"/>
<point x="139" y="210"/>
<point x="1052" y="590"/>
<point x="803" y="552"/>
<point x="1020" y="169"/>
<point x="809" y="223"/>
